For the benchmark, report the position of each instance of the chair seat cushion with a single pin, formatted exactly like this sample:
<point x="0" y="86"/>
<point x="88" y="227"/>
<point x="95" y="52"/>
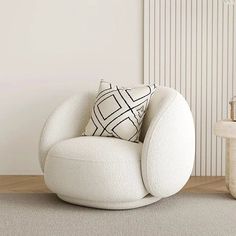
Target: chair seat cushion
<point x="96" y="169"/>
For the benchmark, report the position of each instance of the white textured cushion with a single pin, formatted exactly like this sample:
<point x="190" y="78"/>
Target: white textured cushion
<point x="119" y="112"/>
<point x="95" y="169"/>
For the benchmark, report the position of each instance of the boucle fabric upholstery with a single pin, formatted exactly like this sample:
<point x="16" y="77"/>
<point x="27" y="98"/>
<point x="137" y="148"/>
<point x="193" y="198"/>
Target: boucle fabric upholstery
<point x="67" y="121"/>
<point x="169" y="144"/>
<point x="166" y="155"/>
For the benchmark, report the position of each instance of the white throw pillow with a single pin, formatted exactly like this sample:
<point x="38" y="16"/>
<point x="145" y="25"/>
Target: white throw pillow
<point x="118" y="112"/>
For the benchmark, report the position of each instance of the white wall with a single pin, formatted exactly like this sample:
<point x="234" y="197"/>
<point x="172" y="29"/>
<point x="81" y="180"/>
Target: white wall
<point x="50" y="49"/>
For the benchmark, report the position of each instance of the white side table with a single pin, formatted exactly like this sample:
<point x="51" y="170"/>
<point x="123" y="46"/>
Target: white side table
<point x="227" y="129"/>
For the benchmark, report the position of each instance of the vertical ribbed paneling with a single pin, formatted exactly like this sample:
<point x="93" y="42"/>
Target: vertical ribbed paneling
<point x="190" y="45"/>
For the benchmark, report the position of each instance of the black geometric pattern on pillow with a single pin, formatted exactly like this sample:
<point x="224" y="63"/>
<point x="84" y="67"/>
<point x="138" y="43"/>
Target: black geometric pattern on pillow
<point x="119" y="112"/>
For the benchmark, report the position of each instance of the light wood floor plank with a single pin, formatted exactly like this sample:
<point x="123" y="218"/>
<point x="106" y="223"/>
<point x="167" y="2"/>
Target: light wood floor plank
<point x="206" y="185"/>
<point x="22" y="184"/>
<point x="35" y="184"/>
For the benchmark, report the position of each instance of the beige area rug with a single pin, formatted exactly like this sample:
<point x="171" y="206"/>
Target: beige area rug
<point x="183" y="214"/>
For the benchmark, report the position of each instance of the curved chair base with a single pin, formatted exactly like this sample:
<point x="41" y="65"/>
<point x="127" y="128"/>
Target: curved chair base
<point x="149" y="199"/>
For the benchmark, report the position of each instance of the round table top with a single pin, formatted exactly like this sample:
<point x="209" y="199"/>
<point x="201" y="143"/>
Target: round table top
<point x="225" y="129"/>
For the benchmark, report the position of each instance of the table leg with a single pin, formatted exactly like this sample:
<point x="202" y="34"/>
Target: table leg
<point x="232" y="166"/>
<point x="227" y="156"/>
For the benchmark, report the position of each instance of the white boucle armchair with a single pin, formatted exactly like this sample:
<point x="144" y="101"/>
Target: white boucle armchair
<point x="111" y="173"/>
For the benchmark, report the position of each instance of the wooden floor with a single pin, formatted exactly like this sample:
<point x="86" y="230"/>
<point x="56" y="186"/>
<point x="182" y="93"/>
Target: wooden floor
<point x="35" y="184"/>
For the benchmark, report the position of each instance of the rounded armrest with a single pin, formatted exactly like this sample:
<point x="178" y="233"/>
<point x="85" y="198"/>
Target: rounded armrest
<point x="169" y="144"/>
<point x="67" y="121"/>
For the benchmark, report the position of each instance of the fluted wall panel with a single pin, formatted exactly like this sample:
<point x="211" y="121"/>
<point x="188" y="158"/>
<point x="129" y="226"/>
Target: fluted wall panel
<point x="190" y="45"/>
